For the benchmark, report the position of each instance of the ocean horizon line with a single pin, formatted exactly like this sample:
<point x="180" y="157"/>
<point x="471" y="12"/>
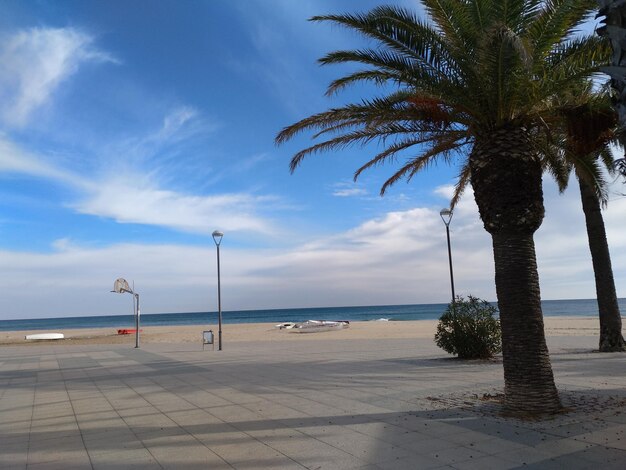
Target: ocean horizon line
<point x="493" y="302"/>
<point x="400" y="312"/>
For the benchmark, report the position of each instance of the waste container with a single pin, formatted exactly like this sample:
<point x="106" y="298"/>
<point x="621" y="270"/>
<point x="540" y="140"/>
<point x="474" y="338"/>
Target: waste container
<point x="207" y="338"/>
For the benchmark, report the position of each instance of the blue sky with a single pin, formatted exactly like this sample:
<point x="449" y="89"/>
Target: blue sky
<point x="129" y="131"/>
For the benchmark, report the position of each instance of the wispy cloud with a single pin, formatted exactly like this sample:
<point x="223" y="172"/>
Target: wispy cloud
<point x="167" y="151"/>
<point x="14" y="159"/>
<point x="134" y="183"/>
<point x="350" y="192"/>
<point x="173" y="122"/>
<point x="348" y="189"/>
<point x="133" y="199"/>
<point x="34" y="62"/>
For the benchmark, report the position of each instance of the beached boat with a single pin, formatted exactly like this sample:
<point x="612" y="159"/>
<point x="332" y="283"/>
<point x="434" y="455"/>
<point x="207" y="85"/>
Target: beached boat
<point x="40" y="336"/>
<point x="127" y="331"/>
<point x="315" y="326"/>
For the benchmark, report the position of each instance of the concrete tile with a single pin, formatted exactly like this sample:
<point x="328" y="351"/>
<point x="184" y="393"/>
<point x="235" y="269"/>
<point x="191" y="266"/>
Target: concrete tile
<point x="13" y="458"/>
<point x="424" y="444"/>
<point x="251" y="455"/>
<point x="619" y="443"/>
<point x="455" y="455"/>
<point x="497" y="446"/>
<point x="306" y="451"/>
<point x="60" y="460"/>
<point x="364" y="448"/>
<point x="184" y="452"/>
<point x="421" y="462"/>
<point x="125" y="456"/>
<point x="525" y="456"/>
<point x="293" y="407"/>
<point x="489" y="462"/>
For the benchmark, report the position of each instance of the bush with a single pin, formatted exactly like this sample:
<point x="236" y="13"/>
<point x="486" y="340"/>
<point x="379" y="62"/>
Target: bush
<point x="469" y="329"/>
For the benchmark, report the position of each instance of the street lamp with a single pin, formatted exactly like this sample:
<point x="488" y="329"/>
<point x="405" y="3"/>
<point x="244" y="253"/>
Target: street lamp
<point x="446" y="216"/>
<point x="120" y="286"/>
<point x="217" y="238"/>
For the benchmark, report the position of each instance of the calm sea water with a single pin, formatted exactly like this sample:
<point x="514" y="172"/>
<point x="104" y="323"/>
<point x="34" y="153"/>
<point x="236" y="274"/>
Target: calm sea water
<point x="389" y="312"/>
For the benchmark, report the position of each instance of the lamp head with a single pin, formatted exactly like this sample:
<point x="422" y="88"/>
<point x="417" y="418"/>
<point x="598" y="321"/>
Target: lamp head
<point x="446" y="215"/>
<point x="217" y="237"/>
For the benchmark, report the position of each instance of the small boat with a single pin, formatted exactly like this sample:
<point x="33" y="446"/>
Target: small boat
<point x="285" y="326"/>
<point x="127" y="331"/>
<point x="41" y="336"/>
<point x="315" y="326"/>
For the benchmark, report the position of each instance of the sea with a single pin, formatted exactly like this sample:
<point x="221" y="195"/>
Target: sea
<point x="580" y="307"/>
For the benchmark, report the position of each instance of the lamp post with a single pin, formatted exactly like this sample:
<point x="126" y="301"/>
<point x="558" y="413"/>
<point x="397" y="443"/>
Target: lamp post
<point x="446" y="216"/>
<point x="120" y="286"/>
<point x="217" y="238"/>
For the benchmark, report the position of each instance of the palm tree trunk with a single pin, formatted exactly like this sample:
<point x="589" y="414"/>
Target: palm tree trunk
<point x="506" y="178"/>
<point x="528" y="381"/>
<point x="611" y="339"/>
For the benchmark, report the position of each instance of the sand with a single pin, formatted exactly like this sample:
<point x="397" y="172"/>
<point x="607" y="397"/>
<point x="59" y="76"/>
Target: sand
<point x="555" y="326"/>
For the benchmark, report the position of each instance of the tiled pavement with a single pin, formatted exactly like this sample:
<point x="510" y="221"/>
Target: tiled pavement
<point x="382" y="404"/>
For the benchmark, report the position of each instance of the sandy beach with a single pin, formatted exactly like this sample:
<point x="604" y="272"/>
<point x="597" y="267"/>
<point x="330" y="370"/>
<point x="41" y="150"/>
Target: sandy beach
<point x="555" y="326"/>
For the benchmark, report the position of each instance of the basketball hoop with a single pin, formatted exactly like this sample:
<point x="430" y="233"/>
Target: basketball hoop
<point x="121" y="286"/>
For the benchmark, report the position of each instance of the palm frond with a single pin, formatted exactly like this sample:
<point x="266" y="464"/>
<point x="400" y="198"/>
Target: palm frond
<point x="440" y="150"/>
<point x="461" y="185"/>
<point x="572" y="61"/>
<point x="557" y="20"/>
<point x="403" y="33"/>
<point x="589" y="170"/>
<point x="458" y="139"/>
<point x="606" y="159"/>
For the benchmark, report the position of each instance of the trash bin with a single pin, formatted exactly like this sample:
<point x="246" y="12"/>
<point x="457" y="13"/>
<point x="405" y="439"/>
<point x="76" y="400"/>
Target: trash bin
<point x="207" y="338"/>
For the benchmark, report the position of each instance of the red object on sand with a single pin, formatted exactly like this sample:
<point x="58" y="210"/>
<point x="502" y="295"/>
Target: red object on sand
<point x="126" y="331"/>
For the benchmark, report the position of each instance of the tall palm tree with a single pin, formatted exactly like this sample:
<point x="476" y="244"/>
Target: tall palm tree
<point x="472" y="84"/>
<point x="611" y="339"/>
<point x="589" y="127"/>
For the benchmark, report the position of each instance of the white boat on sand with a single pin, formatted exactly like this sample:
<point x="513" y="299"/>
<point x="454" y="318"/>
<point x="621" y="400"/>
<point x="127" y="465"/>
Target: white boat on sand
<point x="40" y="336"/>
<point x="315" y="326"/>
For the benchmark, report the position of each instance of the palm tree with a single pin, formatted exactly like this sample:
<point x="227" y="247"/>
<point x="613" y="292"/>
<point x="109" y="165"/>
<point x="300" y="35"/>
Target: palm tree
<point x="589" y="127"/>
<point x="472" y="85"/>
<point x="611" y="339"/>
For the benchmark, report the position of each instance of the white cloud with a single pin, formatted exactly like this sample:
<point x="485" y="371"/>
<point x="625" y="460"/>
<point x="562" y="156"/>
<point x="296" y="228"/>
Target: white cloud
<point x="14" y="159"/>
<point x="445" y="191"/>
<point x="34" y="62"/>
<point x="133" y="199"/>
<point x="349" y="192"/>
<point x="127" y="192"/>
<point x="348" y="189"/>
<point x="398" y="258"/>
<point x="173" y="122"/>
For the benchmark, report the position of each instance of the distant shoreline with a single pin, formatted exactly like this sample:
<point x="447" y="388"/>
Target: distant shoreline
<point x="255" y="332"/>
<point x="401" y="313"/>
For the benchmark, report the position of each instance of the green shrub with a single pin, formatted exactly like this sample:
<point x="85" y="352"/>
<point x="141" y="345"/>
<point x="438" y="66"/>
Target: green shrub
<point x="469" y="329"/>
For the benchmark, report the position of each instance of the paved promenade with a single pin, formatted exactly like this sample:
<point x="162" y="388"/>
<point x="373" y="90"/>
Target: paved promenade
<point x="383" y="404"/>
